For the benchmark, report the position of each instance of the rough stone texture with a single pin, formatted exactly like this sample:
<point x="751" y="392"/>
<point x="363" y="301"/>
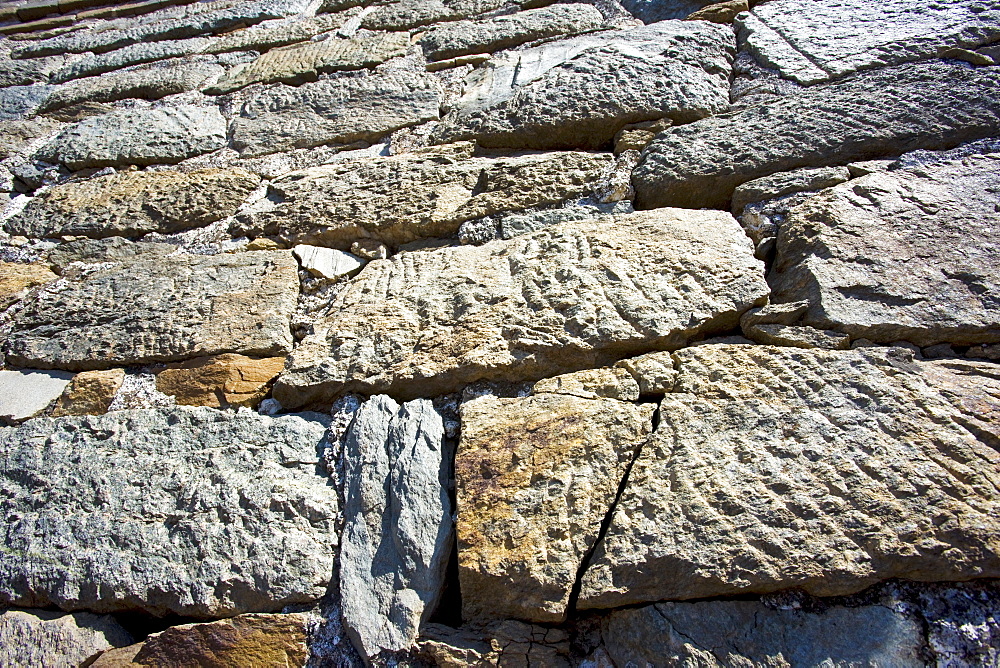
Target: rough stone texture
<point x="425" y="194"/>
<point x="159" y="309"/>
<point x="138" y="137"/>
<point x="238" y="642"/>
<point x="826" y="470"/>
<point x="220" y="381"/>
<point x="181" y="510"/>
<point x="398" y="534"/>
<point x="786" y="183"/>
<point x="90" y="393"/>
<point x="134" y="203"/>
<point x="149" y="83"/>
<point x="20" y="102"/>
<point x="110" y="249"/>
<point x="16" y="136"/>
<point x="299" y="63"/>
<point x="460" y="38"/>
<point x="654" y="372"/>
<point x="507" y="643"/>
<point x="721" y="12"/>
<point x="617" y="383"/>
<point x="747" y="633"/>
<point x="55" y="640"/>
<point x="885" y="112"/>
<point x="327" y="262"/>
<point x="579" y="92"/>
<point x="651" y="11"/>
<point x="796" y="336"/>
<point x="408" y="14"/>
<point x="910" y="254"/>
<point x="25" y="394"/>
<point x="569" y="297"/>
<point x="535" y="478"/>
<point x="811" y="41"/>
<point x="16" y="279"/>
<point x="336" y="111"/>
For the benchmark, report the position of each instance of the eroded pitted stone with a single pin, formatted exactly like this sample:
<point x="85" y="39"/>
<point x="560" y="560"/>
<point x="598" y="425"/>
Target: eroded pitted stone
<point x="179" y="510"/>
<point x="158" y="309"/>
<point x="574" y="295"/>
<point x="134" y="203"/>
<point x="425" y="194"/>
<point x="579" y="92"/>
<point x="889" y="111"/>
<point x="57" y="640"/>
<point x="911" y="254"/>
<point x="775" y="468"/>
<point x="334" y="111"/>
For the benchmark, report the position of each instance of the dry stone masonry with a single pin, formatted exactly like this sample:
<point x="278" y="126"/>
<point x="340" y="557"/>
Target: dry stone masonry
<point x="562" y="333"/>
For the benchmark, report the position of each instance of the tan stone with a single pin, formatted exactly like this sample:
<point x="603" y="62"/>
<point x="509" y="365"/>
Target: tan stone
<point x="90" y="393"/>
<point x="240" y="642"/>
<point x="15" y="278"/>
<point x="220" y="381"/>
<point x="654" y="372"/>
<point x="508" y="643"/>
<point x="591" y="384"/>
<point x="535" y="478"/>
<point x="721" y="12"/>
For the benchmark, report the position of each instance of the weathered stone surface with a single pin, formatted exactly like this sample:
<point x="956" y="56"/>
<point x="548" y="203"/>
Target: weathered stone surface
<point x="797" y="336"/>
<point x="910" y="254"/>
<point x="786" y="183"/>
<point x="654" y="372"/>
<point x="425" y="194"/>
<point x="57" y="640"/>
<point x="90" y="393"/>
<point x="573" y="296"/>
<point x="181" y="510"/>
<point x="134" y="203"/>
<point x="812" y="41"/>
<point x="138" y="137"/>
<point x="20" y="102"/>
<point x="507" y="643"/>
<point x="238" y="642"/>
<point x="220" y="381"/>
<point x="110" y="249"/>
<point x="651" y="11"/>
<point x="398" y="534"/>
<point x="535" y="478"/>
<point x="579" y="92"/>
<point x="407" y="14"/>
<point x="450" y="40"/>
<point x="16" y="136"/>
<point x="826" y="470"/>
<point x="93" y="64"/>
<point x="721" y="12"/>
<point x="299" y="63"/>
<point x="327" y="262"/>
<point x="616" y="383"/>
<point x="25" y="394"/>
<point x="159" y="309"/>
<point x="16" y="279"/>
<point x="334" y="111"/>
<point x="748" y="633"/>
<point x="885" y="112"/>
<point x="27" y="72"/>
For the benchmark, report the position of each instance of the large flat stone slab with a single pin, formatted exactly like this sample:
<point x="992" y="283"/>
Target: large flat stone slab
<point x="157" y="309"/>
<point x="911" y="254"/>
<point x="425" y="194"/>
<point x="880" y="113"/>
<point x="134" y="203"/>
<point x="812" y="41"/>
<point x="579" y="92"/>
<point x="27" y="393"/>
<point x="165" y="135"/>
<point x="775" y="468"/>
<point x="178" y="510"/>
<point x="334" y="111"/>
<point x="535" y="478"/>
<point x="571" y="296"/>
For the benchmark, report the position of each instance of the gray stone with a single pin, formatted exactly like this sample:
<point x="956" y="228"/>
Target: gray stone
<point x="134" y="203"/>
<point x="111" y="249"/>
<point x="460" y="38"/>
<point x="713" y="634"/>
<point x="579" y="92"/>
<point x="26" y="72"/>
<point x="398" y="534"/>
<point x="407" y="14"/>
<point x="158" y="309"/>
<point x="16" y="137"/>
<point x="327" y="262"/>
<point x="149" y="83"/>
<point x="20" y="102"/>
<point x="179" y="510"/>
<point x="138" y="137"/>
<point x="56" y="640"/>
<point x="93" y="64"/>
<point x="573" y="296"/>
<point x="334" y="111"/>
<point x="504" y="225"/>
<point x="651" y="11"/>
<point x="786" y="183"/>
<point x="885" y="112"/>
<point x="797" y="336"/>
<point x="812" y="41"/>
<point x="425" y="194"/>
<point x="26" y="394"/>
<point x="304" y="62"/>
<point x="506" y="643"/>
<point x="775" y="468"/>
<point x="909" y="254"/>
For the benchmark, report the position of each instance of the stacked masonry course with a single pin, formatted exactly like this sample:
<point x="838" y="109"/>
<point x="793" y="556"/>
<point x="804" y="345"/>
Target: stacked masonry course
<point x="500" y="332"/>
